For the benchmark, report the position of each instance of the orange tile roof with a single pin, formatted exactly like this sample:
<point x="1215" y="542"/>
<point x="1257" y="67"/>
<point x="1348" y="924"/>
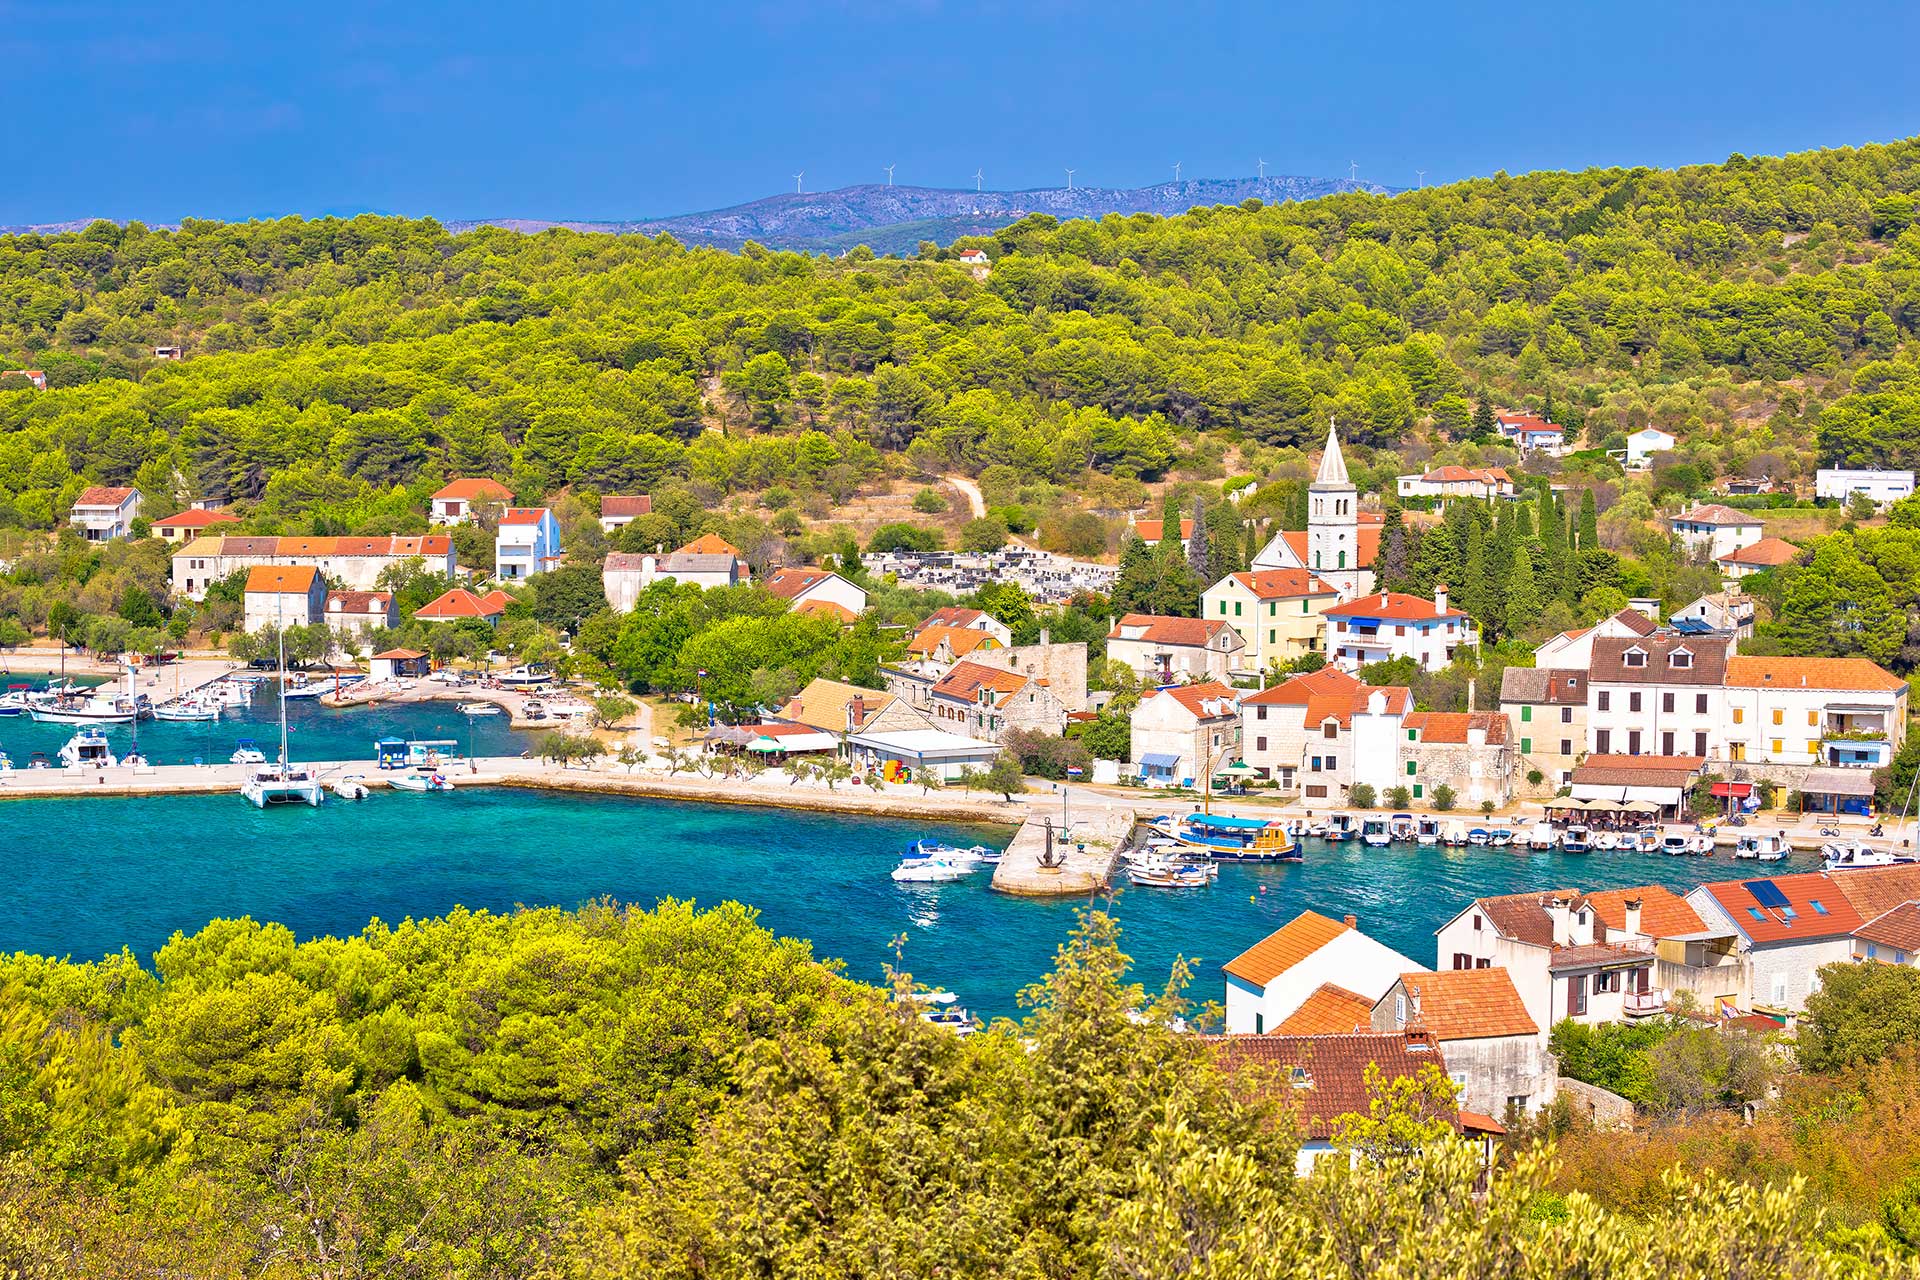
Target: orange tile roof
<point x="1285" y="947"/>
<point x="102" y="495"/>
<point x="1159" y="629"/>
<point x="1395" y="605"/>
<point x="1468" y="1004"/>
<point x="1663" y="913"/>
<point x="1853" y="675"/>
<point x="1763" y="924"/>
<point x="1768" y="553"/>
<point x="1366" y="546"/>
<point x="710" y="544"/>
<point x="1324" y="1077"/>
<point x="1150" y="530"/>
<point x="1874" y="891"/>
<point x="617" y="505"/>
<point x="1329" y="1011"/>
<point x="953" y="615"/>
<point x="828" y="607"/>
<point x="281" y="577"/>
<point x="789" y="581"/>
<point x="462" y="603"/>
<point x="1458" y="475"/>
<point x="968" y="678"/>
<point x="475" y="489"/>
<point x="1898" y="927"/>
<point x="1208" y="700"/>
<point x="522" y="515"/>
<point x="960" y="640"/>
<point x="1299" y="690"/>
<point x="194" y="518"/>
<point x="1282" y="584"/>
<point x="1452" y="726"/>
<point x="404" y="655"/>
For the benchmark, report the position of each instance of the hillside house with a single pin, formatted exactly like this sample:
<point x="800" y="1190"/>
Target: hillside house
<point x="1481" y="484"/>
<point x="1275" y="611"/>
<point x="1712" y="530"/>
<point x="104" y="512"/>
<point x="460" y="605"/>
<point x="1725" y="613"/>
<point x="1270" y="981"/>
<point x="1161" y="650"/>
<point x="526" y="543"/>
<point x="1496" y="1052"/>
<point x="1643" y="444"/>
<point x="618" y="510"/>
<point x="1571" y="650"/>
<point x="191" y="523"/>
<point x="1880" y="487"/>
<point x="1756" y="557"/>
<point x="358" y="612"/>
<point x="1379" y="628"/>
<point x="356" y="563"/>
<point x="1530" y="433"/>
<point x="811" y="590"/>
<point x="460" y="501"/>
<point x="969" y="620"/>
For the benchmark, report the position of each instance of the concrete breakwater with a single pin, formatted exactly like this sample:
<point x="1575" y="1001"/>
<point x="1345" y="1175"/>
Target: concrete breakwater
<point x="1085" y="844"/>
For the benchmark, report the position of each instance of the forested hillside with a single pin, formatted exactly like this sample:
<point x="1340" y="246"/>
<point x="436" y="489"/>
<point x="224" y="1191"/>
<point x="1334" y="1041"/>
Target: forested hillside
<point x="1760" y="306"/>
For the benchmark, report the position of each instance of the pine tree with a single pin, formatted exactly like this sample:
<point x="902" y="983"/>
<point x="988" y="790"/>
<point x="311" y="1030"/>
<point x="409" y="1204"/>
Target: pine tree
<point x="1484" y="426"/>
<point x="1197" y="543"/>
<point x="1138" y="581"/>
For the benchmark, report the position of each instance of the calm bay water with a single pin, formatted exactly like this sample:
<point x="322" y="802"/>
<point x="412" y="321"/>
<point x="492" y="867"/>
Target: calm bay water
<point x="87" y="876"/>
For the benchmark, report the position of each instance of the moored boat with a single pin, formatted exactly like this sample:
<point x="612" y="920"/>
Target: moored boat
<point x="916" y="870"/>
<point x="1401" y="826"/>
<point x="1426" y="832"/>
<point x="1477" y="836"/>
<point x="1341" y="826"/>
<point x="1646" y="840"/>
<point x="1578" y="838"/>
<point x="244" y="752"/>
<point x="1235" y="839"/>
<point x="1674" y="844"/>
<point x="1542" y="835"/>
<point x="88" y="749"/>
<point x="1454" y="834"/>
<point x="1762" y="847"/>
<point x="349" y="787"/>
<point x="1856" y="855"/>
<point x="1375" y="833"/>
<point x="1162" y="873"/>
<point x="1499" y="837"/>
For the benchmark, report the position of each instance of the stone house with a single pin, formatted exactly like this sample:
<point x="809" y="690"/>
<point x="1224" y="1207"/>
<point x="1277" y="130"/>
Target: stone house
<point x="1161" y="649"/>
<point x="1787" y="927"/>
<point x="1547" y="709"/>
<point x="1496" y="1051"/>
<point x="1185" y="732"/>
<point x="1469" y="751"/>
<point x="985" y="702"/>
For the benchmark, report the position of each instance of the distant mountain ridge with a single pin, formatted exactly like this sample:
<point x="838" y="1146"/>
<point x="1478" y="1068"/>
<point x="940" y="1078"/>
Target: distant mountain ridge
<point x="890" y="219"/>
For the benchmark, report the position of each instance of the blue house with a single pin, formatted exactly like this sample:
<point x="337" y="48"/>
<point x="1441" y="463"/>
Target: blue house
<point x="528" y="542"/>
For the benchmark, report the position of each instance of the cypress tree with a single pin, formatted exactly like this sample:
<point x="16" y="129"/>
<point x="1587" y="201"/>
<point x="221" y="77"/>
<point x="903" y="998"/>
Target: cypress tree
<point x="1197" y="544"/>
<point x="1589" y="539"/>
<point x="1522" y="607"/>
<point x="1139" y="578"/>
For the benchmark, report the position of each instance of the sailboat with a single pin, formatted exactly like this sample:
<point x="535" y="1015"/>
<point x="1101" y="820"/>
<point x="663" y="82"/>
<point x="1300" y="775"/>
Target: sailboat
<point x="281" y="782"/>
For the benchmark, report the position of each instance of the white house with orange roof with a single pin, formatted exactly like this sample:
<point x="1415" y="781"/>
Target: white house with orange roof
<point x="191" y="523"/>
<point x="104" y="512"/>
<point x="1163" y="649"/>
<point x="1756" y="557"/>
<point x="459" y="501"/>
<point x="1560" y="957"/>
<point x="1834" y="713"/>
<point x="1573" y="650"/>
<point x="526" y="543"/>
<point x="356" y="563"/>
<point x="358" y="612"/>
<point x="1713" y="530"/>
<point x="1186" y="732"/>
<point x="1483" y="484"/>
<point x="985" y="702"/>
<point x="1318" y="734"/>
<point x="1531" y="433"/>
<point x="954" y="615"/>
<point x="284" y="595"/>
<point x="817" y="590"/>
<point x="1276" y="611"/>
<point x="1386" y="625"/>
<point x="1311" y="957"/>
<point x="1151" y="531"/>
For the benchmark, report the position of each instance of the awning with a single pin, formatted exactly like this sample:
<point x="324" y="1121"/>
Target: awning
<point x="1838" y="782"/>
<point x="1733" y="790"/>
<point x="1158" y="761"/>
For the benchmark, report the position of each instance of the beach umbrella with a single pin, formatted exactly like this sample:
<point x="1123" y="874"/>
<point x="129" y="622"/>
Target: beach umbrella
<point x="1238" y="769"/>
<point x="1640" y="806"/>
<point x="764" y="745"/>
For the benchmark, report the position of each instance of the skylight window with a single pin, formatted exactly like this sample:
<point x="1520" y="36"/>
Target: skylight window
<point x="1819" y="909"/>
<point x="1755" y="913"/>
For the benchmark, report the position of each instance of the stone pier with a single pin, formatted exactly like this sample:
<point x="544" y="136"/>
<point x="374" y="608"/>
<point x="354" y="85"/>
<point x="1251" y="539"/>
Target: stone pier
<point x="1086" y="851"/>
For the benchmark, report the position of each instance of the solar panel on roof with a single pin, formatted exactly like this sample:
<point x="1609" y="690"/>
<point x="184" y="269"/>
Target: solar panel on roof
<point x="1765" y="892"/>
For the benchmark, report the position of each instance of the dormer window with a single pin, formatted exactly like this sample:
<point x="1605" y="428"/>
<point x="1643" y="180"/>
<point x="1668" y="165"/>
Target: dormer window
<point x="1680" y="658"/>
<point x="1635" y="657"/>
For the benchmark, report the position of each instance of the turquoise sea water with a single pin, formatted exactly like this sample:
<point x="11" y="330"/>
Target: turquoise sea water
<point x="86" y="876"/>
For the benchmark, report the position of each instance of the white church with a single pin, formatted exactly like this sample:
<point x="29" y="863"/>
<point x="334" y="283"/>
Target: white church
<point x="1340" y="543"/>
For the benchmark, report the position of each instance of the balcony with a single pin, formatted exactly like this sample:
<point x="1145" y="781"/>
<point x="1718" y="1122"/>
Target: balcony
<point x="1644" y="1004"/>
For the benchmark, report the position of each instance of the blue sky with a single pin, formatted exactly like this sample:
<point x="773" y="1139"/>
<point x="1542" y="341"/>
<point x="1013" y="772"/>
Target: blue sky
<point x="591" y="110"/>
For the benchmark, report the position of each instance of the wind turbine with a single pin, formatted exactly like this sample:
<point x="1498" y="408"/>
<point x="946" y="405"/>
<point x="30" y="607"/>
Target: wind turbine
<point x="1176" y="171"/>
<point x="796" y="181"/>
<point x="978" y="177"/>
<point x="1263" y="169"/>
<point x="1069" y="179"/>
<point x="889" y="175"/>
<point x="1353" y="171"/>
<point x="1422" y="175"/>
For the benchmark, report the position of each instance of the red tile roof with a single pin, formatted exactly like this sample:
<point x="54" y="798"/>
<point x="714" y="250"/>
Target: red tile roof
<point x="1395" y="606"/>
<point x="475" y="489"/>
<point x="1663" y="913"/>
<point x="1523" y="917"/>
<point x="430" y="544"/>
<point x="522" y="515"/>
<point x="1330" y="1010"/>
<point x="1159" y="629"/>
<point x="1849" y="675"/>
<point x="788" y="582"/>
<point x="1282" y="584"/>
<point x="1715" y="513"/>
<point x="953" y="616"/>
<point x="1285" y="947"/>
<point x="462" y="603"/>
<point x="1898" y="927"/>
<point x="1299" y="690"/>
<point x="1150" y="530"/>
<point x="959" y="640"/>
<point x="1208" y="700"/>
<point x="1366" y="544"/>
<point x="1637" y="771"/>
<point x="1764" y="924"/>
<point x="1462" y="475"/>
<point x="838" y="611"/>
<point x="710" y="544"/>
<point x="1450" y="727"/>
<point x="358" y="601"/>
<point x="967" y="679"/>
<point x="624" y="504"/>
<point x="102" y="495"/>
<point x="1767" y="553"/>
<point x="1467" y="1004"/>
<point x="402" y="655"/>
<point x="1325" y="1076"/>
<point x="194" y="518"/>
<point x="281" y="577"/>
<point x="1876" y="890"/>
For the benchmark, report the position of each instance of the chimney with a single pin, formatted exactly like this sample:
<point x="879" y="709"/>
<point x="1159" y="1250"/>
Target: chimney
<point x="1472" y="688"/>
<point x="1353" y="921"/>
<point x="1046" y="637"/>
<point x="1440" y="597"/>
<point x="1562" y="918"/>
<point x="1413" y="1004"/>
<point x="1632" y="922"/>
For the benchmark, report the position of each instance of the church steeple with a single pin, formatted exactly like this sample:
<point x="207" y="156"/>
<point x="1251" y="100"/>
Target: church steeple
<point x="1333" y="466"/>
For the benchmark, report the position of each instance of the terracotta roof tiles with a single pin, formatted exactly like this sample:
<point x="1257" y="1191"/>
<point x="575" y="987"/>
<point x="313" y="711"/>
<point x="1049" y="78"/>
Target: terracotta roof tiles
<point x="1324" y="1077"/>
<point x="1285" y="947"/>
<point x="1330" y="1010"/>
<point x="1898" y="927"/>
<point x="1468" y="1004"/>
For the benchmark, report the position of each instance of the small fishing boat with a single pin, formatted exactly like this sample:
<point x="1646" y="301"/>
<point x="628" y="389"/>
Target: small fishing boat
<point x="1454" y="834"/>
<point x="1761" y="847"/>
<point x="1700" y="844"/>
<point x="1477" y="836"/>
<point x="350" y="787"/>
<point x="526" y="678"/>
<point x="189" y="711"/>
<point x="1231" y="838"/>
<point x="1402" y="826"/>
<point x="1674" y="844"/>
<point x="1375" y="834"/>
<point x="479" y="709"/>
<point x="244" y="752"/>
<point x="420" y="780"/>
<point x="88" y="749"/>
<point x="1499" y="838"/>
<point x="1609" y="841"/>
<point x="1854" y="855"/>
<point x="917" y="871"/>
<point x="1160" y="873"/>
<point x="1578" y="838"/>
<point x="1541" y="835"/>
<point x="1646" y="840"/>
<point x="38" y="760"/>
<point x="1341" y="826"/>
<point x="1426" y="832"/>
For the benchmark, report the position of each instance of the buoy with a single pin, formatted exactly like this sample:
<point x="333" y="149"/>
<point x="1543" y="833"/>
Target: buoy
<point x="1255" y="901"/>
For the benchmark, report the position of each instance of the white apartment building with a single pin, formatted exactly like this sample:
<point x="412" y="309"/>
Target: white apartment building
<point x="1713" y="530"/>
<point x="1662" y="695"/>
<point x="1276" y="611"/>
<point x="356" y="563"/>
<point x="104" y="512"/>
<point x="1554" y="948"/>
<point x="1882" y="487"/>
<point x="527" y="542"/>
<point x="1828" y="712"/>
<point x="1387" y="625"/>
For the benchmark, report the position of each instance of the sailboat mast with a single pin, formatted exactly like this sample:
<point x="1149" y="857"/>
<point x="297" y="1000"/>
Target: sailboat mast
<point x="280" y="634"/>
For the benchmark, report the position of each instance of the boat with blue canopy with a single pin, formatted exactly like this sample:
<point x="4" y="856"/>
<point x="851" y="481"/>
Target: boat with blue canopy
<point x="1232" y="839"/>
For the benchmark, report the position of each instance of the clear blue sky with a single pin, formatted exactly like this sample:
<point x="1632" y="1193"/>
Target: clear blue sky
<point x="592" y="110"/>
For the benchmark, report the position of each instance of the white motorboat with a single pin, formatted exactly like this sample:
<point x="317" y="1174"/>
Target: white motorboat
<point x="1426" y="832"/>
<point x="1402" y="826"/>
<point x="928" y="871"/>
<point x="1646" y="840"/>
<point x="244" y="752"/>
<point x="88" y="749"/>
<point x="350" y="787"/>
<point x="976" y="855"/>
<point x="1499" y="838"/>
<point x="1341" y="826"/>
<point x="1455" y="833"/>
<point x="1700" y="844"/>
<point x="1160" y="873"/>
<point x="420" y="780"/>
<point x="1674" y="844"/>
<point x="1855" y="855"/>
<point x="1609" y="841"/>
<point x="1761" y="847"/>
<point x="66" y="705"/>
<point x="479" y="709"/>
<point x="942" y="1009"/>
<point x="526" y="678"/>
<point x="190" y="711"/>
<point x="1375" y="833"/>
<point x="1578" y="838"/>
<point x="1541" y="835"/>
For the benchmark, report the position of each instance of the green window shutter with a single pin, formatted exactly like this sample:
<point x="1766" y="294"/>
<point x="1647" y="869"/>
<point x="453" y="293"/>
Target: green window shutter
<point x="1526" y="746"/>
<point x="1236" y="608"/>
<point x="1413" y="735"/>
<point x="1223" y="608"/>
<point x="1418" y="790"/>
<point x="1412" y="765"/>
<point x="1526" y="714"/>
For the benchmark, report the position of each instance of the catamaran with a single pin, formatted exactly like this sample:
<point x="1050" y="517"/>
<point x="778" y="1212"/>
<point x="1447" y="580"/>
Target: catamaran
<point x="270" y="784"/>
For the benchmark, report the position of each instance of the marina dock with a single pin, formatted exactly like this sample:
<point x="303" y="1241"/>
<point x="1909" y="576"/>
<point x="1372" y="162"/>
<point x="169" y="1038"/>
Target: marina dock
<point x="1085" y="845"/>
